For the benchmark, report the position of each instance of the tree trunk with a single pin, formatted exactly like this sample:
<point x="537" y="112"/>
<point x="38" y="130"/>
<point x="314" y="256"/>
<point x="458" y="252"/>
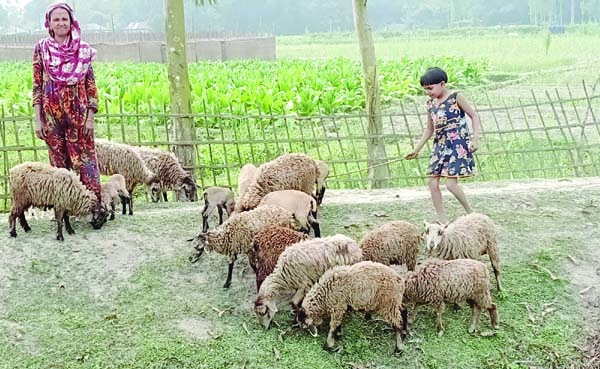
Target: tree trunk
<point x="378" y="171"/>
<point x="183" y="130"/>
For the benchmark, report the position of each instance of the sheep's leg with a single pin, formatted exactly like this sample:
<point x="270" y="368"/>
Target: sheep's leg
<point x="230" y="272"/>
<point x="131" y="205"/>
<point x="23" y="222"/>
<point x="336" y="320"/>
<point x="220" y="210"/>
<point x="297" y="299"/>
<point x="58" y="215"/>
<point x="316" y="228"/>
<point x="112" y="210"/>
<point x="68" y="223"/>
<point x="439" y="310"/>
<point x="205" y="214"/>
<point x="124" y="202"/>
<point x="413" y="313"/>
<point x="475" y="314"/>
<point x="493" y="315"/>
<point x="12" y="223"/>
<point x="165" y="197"/>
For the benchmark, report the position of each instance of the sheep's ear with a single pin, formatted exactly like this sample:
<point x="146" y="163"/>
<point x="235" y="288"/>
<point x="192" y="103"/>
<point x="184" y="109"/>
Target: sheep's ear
<point x="271" y="305"/>
<point x="313" y="330"/>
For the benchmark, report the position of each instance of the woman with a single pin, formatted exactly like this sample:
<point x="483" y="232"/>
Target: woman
<point x="65" y="96"/>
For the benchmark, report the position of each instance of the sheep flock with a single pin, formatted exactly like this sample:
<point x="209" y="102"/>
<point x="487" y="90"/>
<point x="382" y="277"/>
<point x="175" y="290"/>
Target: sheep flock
<point x="395" y="268"/>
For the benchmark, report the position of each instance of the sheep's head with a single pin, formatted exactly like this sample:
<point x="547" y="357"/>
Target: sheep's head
<point x="434" y="232"/>
<point x="306" y="322"/>
<point x="99" y="215"/>
<point x="265" y="311"/>
<point x="187" y="190"/>
<point x="154" y="188"/>
<point x="200" y="243"/>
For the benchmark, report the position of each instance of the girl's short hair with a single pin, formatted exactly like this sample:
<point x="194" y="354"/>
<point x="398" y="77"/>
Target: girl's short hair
<point x="433" y="76"/>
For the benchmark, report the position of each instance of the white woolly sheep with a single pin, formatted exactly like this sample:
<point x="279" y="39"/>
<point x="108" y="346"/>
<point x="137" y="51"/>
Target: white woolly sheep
<point x="302" y="205"/>
<point x="438" y="281"/>
<point x="43" y="186"/>
<point x="117" y="158"/>
<point x="287" y="172"/>
<point x="468" y="237"/>
<point x="171" y="174"/>
<point x="365" y="286"/>
<point x="395" y="242"/>
<point x="216" y="197"/>
<point x="268" y="244"/>
<point x="299" y="267"/>
<point x="235" y="235"/>
<point x="112" y="191"/>
<point x="323" y="169"/>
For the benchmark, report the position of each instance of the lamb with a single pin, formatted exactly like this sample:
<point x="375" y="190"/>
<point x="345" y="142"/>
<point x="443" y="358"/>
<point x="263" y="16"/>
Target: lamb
<point x="299" y="267"/>
<point x="112" y="191"/>
<point x="468" y="237"/>
<point x="171" y="174"/>
<point x="303" y="206"/>
<point x="268" y="244"/>
<point x="395" y="242"/>
<point x="123" y="159"/>
<point x="438" y="281"/>
<point x="323" y="169"/>
<point x="365" y="286"/>
<point x="287" y="172"/>
<point x="235" y="235"/>
<point x="216" y="197"/>
<point x="43" y="186"/>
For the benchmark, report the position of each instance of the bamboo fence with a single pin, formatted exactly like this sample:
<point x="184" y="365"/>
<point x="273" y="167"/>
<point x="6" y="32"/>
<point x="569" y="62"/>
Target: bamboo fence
<point x="551" y="134"/>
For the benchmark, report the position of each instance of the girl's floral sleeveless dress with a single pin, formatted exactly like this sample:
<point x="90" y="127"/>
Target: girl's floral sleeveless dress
<point x="451" y="156"/>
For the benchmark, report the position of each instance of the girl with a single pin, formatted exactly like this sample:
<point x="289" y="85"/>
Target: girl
<point x="453" y="149"/>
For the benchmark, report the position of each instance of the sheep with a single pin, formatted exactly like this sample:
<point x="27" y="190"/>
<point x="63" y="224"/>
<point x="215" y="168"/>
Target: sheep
<point x="468" y="237"/>
<point x="235" y="235"/>
<point x="299" y="267"/>
<point x="171" y="174"/>
<point x="302" y="205"/>
<point x="112" y="191"/>
<point x="268" y="244"/>
<point x="365" y="286"/>
<point x="323" y="169"/>
<point x="43" y="186"/>
<point x="216" y="197"/>
<point x="287" y="172"/>
<point x="395" y="242"/>
<point x="438" y="281"/>
<point x="246" y="178"/>
<point x="123" y="159"/>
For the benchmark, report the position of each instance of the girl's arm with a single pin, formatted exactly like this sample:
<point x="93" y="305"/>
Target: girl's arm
<point x="475" y="123"/>
<point x="427" y="133"/>
<point x="92" y="107"/>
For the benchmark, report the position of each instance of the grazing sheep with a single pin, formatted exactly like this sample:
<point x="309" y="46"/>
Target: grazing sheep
<point x="299" y="267"/>
<point x="117" y="158"/>
<point x="235" y="235"/>
<point x="268" y="244"/>
<point x="438" y="281"/>
<point x="171" y="174"/>
<point x="43" y="186"/>
<point x="468" y="237"/>
<point x="302" y="205"/>
<point x="287" y="172"/>
<point x="365" y="286"/>
<point x="322" y="177"/>
<point x="394" y="242"/>
<point x="216" y="197"/>
<point x="246" y="178"/>
<point x="112" y="191"/>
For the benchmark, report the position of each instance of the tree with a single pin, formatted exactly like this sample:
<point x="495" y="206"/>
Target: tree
<point x="378" y="171"/>
<point x="183" y="129"/>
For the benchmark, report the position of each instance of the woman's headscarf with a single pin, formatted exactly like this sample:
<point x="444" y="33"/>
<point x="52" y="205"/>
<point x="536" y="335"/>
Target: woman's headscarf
<point x="68" y="62"/>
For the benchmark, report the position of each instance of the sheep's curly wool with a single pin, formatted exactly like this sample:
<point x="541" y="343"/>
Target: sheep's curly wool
<point x="395" y="242"/>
